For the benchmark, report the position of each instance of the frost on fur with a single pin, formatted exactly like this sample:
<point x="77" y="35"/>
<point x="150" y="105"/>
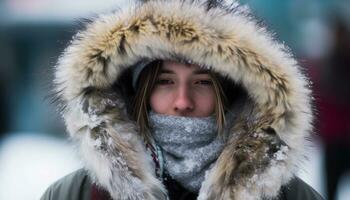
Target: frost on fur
<point x="225" y="39"/>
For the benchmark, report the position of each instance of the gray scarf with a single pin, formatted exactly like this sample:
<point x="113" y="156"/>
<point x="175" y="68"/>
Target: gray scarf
<point x="190" y="146"/>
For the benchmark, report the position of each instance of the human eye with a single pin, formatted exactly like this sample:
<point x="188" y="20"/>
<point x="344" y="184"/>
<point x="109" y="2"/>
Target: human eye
<point x="164" y="81"/>
<point x="204" y="82"/>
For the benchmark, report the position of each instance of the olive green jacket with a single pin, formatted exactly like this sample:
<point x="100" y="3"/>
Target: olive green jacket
<point x="77" y="186"/>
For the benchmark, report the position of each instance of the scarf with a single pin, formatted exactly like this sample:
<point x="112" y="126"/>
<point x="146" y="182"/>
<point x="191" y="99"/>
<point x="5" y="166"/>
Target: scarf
<point x="189" y="146"/>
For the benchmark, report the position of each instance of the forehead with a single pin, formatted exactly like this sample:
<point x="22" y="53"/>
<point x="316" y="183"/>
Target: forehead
<point x="174" y="67"/>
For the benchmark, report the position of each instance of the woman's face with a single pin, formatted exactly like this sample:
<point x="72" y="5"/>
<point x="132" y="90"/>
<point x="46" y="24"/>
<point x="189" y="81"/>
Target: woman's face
<point x="183" y="90"/>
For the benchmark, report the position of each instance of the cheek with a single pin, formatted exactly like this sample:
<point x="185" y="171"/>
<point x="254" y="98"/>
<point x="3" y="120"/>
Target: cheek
<point x="206" y="104"/>
<point x="159" y="102"/>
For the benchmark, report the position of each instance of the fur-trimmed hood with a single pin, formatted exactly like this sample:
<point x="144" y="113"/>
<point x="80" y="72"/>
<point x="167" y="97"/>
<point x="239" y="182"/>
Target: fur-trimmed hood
<point x="268" y="137"/>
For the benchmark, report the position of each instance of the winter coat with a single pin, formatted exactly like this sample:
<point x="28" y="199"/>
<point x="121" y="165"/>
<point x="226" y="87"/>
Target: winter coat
<point x="266" y="142"/>
<point x="79" y="186"/>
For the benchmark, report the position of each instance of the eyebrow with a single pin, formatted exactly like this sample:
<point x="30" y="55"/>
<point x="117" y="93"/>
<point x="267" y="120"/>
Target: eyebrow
<point x="198" y="71"/>
<point x="166" y="71"/>
<point x="201" y="71"/>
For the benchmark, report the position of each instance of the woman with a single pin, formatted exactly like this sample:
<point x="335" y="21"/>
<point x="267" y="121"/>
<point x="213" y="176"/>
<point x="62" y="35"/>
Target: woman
<point x="183" y="100"/>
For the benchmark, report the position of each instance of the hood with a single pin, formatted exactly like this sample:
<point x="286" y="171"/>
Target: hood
<point x="267" y="140"/>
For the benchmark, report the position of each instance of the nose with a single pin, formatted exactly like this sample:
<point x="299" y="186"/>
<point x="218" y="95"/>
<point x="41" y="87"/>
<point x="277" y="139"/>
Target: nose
<point x="183" y="103"/>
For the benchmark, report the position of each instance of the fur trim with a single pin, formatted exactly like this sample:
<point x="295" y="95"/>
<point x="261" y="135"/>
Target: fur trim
<point x="269" y="138"/>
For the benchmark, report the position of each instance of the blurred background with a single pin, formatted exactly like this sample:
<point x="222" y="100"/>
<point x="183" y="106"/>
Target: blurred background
<point x="34" y="150"/>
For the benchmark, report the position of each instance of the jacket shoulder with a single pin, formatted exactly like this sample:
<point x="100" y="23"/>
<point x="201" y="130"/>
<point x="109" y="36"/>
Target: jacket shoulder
<point x="73" y="186"/>
<point x="298" y="189"/>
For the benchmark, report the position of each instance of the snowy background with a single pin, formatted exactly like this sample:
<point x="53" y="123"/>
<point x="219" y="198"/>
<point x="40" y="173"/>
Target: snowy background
<point x="34" y="151"/>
